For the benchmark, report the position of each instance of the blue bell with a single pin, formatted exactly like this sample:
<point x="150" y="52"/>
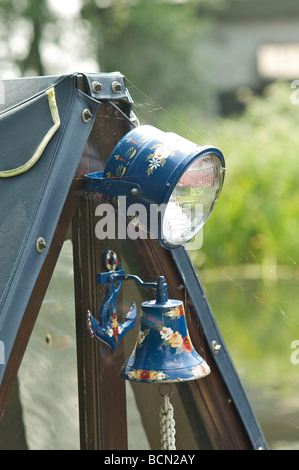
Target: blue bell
<point x="163" y="351"/>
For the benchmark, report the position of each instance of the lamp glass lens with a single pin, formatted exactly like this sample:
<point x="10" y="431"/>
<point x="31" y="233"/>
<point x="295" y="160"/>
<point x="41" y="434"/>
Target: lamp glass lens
<point x="193" y="199"/>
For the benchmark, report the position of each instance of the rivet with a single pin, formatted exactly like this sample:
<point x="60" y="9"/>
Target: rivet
<point x="86" y="115"/>
<point x="40" y="244"/>
<point x="134" y="191"/>
<point x="96" y="86"/>
<point x="116" y="87"/>
<point x="216" y="346"/>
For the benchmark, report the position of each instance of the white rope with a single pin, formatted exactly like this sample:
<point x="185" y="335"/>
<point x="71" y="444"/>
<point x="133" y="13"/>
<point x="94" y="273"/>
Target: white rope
<point x="167" y="425"/>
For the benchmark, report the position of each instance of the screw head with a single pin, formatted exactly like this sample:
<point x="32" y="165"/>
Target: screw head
<point x="86" y="115"/>
<point x="96" y="86"/>
<point x="216" y="346"/>
<point x="116" y="87"/>
<point x="40" y="244"/>
<point x="134" y="191"/>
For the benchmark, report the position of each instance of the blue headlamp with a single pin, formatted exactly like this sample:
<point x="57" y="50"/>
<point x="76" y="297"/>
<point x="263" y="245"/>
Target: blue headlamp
<point x="171" y="180"/>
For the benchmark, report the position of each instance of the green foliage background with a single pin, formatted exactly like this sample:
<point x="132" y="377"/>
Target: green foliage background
<point x="249" y="259"/>
<point x="256" y="217"/>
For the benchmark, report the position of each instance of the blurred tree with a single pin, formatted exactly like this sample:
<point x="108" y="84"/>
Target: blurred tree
<point x="22" y="25"/>
<point x="38" y="13"/>
<point x="156" y="44"/>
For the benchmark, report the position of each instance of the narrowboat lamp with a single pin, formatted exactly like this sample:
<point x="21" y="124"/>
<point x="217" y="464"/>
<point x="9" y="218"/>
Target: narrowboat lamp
<point x="172" y="178"/>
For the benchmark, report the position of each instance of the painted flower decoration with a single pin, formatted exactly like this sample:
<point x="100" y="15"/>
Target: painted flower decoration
<point x="136" y="374"/>
<point x="162" y="152"/>
<point x="145" y="375"/>
<point x="153" y="375"/>
<point x="176" y="340"/>
<point x="110" y="332"/>
<point x="175" y="312"/>
<point x="141" y="336"/>
<point x="154" y="164"/>
<point x="200" y="370"/>
<point x="187" y="344"/>
<point x="166" y="333"/>
<point x="158" y="158"/>
<point x="161" y="376"/>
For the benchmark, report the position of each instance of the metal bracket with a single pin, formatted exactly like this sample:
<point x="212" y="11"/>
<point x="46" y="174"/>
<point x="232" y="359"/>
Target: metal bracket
<point x="97" y="183"/>
<point x="107" y="86"/>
